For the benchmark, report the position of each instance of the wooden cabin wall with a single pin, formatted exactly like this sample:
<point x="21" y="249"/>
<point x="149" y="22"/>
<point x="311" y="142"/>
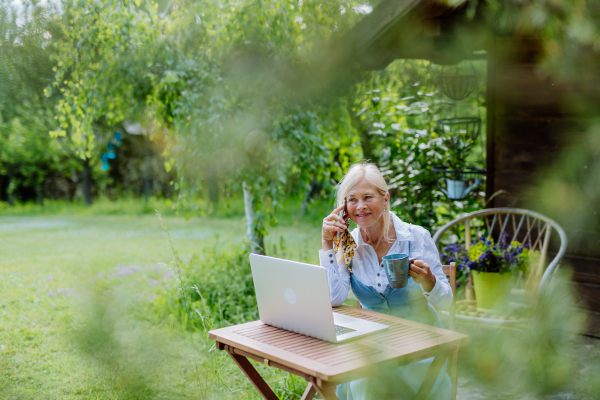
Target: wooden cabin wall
<point x="530" y="123"/>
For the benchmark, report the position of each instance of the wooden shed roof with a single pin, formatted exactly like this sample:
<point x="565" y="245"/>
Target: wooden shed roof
<point x="418" y="29"/>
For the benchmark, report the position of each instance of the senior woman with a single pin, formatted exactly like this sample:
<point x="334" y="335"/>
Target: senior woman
<point x="358" y="265"/>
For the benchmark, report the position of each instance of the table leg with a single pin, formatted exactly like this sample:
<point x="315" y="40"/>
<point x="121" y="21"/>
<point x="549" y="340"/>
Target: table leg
<point x="454" y="373"/>
<point x="324" y="389"/>
<point x="310" y="391"/>
<point x="252" y="374"/>
<point x="431" y="376"/>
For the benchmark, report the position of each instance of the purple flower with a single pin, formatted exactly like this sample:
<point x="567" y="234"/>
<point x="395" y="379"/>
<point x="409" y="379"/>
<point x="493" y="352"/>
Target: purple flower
<point x="504" y="241"/>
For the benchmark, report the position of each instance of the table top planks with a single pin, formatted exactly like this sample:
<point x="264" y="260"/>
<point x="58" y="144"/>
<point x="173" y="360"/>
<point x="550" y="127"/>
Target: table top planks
<point x="402" y="343"/>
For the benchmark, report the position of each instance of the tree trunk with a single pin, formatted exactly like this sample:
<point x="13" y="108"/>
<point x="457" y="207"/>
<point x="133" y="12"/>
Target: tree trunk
<point x="73" y="186"/>
<point x="87" y="182"/>
<point x="257" y="243"/>
<point x="3" y="186"/>
<point x="310" y="193"/>
<point x="38" y="193"/>
<point x="213" y="186"/>
<point x="148" y="176"/>
<point x="10" y="189"/>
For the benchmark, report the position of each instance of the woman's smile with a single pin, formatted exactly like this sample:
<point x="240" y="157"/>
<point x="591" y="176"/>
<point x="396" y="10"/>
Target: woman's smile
<point x="362" y="215"/>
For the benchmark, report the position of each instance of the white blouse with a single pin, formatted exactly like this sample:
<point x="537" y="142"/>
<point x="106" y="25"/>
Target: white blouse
<point x="370" y="272"/>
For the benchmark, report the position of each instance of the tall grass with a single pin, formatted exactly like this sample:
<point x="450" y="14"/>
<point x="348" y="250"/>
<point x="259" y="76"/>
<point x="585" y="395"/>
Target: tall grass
<point x="215" y="290"/>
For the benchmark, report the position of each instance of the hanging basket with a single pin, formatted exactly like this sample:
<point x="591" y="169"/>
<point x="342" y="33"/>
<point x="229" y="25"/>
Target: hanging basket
<point x="457" y="184"/>
<point x="457" y="85"/>
<point x="467" y="127"/>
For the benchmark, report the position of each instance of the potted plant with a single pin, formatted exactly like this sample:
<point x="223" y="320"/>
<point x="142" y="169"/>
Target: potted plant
<point x="493" y="266"/>
<point x="455" y="183"/>
<point x="458" y="135"/>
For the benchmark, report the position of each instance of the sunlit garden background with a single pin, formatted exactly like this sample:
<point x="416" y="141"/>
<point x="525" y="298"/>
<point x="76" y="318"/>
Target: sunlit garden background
<point x="146" y="148"/>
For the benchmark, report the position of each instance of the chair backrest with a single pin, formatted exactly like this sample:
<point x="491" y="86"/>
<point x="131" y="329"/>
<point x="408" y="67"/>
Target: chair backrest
<point x="525" y="226"/>
<point x="450" y="272"/>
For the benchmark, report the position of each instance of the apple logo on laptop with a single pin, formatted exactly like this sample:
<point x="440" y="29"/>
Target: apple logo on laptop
<point x="290" y="296"/>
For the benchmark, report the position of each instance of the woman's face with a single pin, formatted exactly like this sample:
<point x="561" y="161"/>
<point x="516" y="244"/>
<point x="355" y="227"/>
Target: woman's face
<point x="365" y="204"/>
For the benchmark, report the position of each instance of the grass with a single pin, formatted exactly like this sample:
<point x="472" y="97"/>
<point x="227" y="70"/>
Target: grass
<point x="228" y="208"/>
<point x="77" y="286"/>
<point x="102" y="206"/>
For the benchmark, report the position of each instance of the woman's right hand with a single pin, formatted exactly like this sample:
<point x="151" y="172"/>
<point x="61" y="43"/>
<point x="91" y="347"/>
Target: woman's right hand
<point x="332" y="224"/>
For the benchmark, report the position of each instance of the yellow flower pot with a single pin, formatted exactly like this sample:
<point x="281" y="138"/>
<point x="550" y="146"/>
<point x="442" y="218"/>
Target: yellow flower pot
<point x="492" y="290"/>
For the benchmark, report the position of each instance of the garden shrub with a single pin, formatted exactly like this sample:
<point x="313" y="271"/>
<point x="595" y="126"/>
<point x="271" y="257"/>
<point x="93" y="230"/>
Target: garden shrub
<point x="214" y="289"/>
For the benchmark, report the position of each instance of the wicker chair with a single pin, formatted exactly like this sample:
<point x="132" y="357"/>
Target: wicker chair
<point x="528" y="227"/>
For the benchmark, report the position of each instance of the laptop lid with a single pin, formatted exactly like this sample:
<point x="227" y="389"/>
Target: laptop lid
<point x="294" y="296"/>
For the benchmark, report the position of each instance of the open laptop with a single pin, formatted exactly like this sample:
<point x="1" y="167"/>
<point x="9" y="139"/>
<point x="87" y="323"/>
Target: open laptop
<point x="295" y="296"/>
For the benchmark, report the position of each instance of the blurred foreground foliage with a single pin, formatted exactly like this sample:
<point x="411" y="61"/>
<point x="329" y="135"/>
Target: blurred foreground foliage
<point x="537" y="357"/>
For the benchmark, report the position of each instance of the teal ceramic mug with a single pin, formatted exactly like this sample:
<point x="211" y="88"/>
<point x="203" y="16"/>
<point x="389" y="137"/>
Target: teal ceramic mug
<point x="396" y="268"/>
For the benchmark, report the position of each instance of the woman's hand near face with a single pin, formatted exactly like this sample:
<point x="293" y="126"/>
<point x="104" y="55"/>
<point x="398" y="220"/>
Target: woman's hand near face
<point x="421" y="273"/>
<point x="332" y="224"/>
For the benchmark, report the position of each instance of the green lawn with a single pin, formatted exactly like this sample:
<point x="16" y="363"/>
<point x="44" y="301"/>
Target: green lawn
<point x="75" y="293"/>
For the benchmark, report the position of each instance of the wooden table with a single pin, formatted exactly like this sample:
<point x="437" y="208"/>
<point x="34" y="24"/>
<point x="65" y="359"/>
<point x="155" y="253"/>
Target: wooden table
<point x="325" y="364"/>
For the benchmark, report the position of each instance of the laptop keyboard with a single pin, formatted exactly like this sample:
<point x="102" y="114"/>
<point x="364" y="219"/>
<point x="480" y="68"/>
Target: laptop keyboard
<point x="340" y="330"/>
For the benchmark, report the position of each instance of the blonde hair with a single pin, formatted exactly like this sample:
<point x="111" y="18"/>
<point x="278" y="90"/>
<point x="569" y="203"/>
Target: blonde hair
<point x="369" y="172"/>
